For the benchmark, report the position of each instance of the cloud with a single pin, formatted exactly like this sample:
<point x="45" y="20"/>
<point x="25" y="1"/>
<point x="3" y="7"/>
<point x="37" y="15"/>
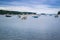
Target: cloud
<point x="37" y="9"/>
<point x="38" y="6"/>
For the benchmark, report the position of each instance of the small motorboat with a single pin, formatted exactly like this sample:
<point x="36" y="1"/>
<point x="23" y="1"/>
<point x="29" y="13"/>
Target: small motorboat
<point x="35" y="16"/>
<point x="8" y="15"/>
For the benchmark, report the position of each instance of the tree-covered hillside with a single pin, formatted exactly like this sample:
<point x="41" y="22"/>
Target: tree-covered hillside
<point x="14" y="12"/>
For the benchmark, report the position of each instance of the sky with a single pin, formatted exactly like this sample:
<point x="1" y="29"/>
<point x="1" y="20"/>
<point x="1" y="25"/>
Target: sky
<point x="38" y="6"/>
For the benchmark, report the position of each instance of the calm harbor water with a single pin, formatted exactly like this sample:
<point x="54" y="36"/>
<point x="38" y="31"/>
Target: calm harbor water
<point x="41" y="28"/>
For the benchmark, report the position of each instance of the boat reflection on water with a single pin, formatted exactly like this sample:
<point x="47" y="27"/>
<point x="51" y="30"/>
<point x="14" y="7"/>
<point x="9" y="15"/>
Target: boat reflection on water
<point x="19" y="16"/>
<point x="43" y="14"/>
<point x="56" y="16"/>
<point x="50" y="14"/>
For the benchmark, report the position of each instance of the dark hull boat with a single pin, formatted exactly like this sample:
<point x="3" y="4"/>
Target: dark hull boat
<point x="35" y="16"/>
<point x="8" y="15"/>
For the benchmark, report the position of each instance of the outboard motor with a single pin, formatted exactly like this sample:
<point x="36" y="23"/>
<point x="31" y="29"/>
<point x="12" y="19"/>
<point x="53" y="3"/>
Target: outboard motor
<point x="59" y="13"/>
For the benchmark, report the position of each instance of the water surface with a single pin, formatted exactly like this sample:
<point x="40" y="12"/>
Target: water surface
<point x="42" y="28"/>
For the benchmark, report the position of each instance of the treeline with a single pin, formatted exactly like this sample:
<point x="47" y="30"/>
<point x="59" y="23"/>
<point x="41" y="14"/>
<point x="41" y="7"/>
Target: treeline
<point x="2" y="12"/>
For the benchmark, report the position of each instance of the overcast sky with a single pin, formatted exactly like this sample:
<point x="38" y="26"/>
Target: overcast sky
<point x="38" y="6"/>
